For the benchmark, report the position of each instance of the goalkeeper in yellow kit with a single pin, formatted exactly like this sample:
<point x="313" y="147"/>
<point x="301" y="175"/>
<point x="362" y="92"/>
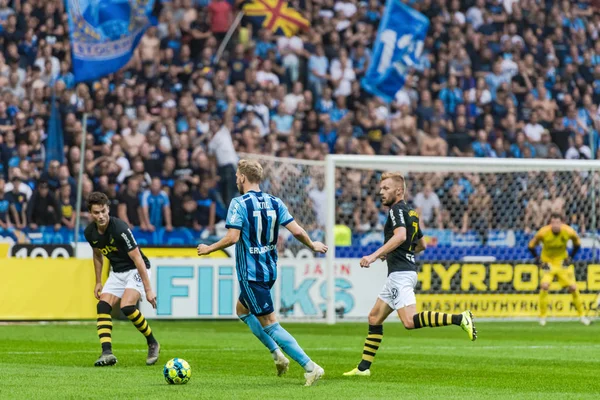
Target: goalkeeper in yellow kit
<point x="555" y="262"/>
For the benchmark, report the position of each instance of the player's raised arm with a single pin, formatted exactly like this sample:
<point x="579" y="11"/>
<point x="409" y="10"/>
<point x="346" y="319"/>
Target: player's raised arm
<point x="286" y="219"/>
<point x="236" y="215"/>
<point x="302" y="236"/>
<point x="395" y="241"/>
<point x="231" y="237"/>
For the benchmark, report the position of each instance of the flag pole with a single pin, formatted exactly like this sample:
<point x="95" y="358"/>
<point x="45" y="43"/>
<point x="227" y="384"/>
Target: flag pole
<point x="80" y="185"/>
<point x="228" y="36"/>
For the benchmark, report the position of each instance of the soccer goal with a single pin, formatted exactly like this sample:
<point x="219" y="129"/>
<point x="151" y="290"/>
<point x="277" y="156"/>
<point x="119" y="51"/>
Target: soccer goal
<point x="477" y="215"/>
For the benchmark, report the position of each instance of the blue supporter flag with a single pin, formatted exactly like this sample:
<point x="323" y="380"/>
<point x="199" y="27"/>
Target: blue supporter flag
<point x="55" y="141"/>
<point x="397" y="48"/>
<point x="105" y="33"/>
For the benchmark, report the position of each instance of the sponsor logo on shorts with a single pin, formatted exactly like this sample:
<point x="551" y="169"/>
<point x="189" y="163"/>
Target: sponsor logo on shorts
<point x="137" y="277"/>
<point x="394" y="293"/>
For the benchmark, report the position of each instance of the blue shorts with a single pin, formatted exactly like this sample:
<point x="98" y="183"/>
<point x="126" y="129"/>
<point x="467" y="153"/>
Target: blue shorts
<point x="256" y="297"/>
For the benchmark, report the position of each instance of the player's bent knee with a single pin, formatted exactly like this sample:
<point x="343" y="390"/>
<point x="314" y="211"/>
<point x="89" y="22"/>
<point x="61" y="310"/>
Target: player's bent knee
<point x="374" y="318"/>
<point x="266" y="320"/>
<point x="103" y="307"/>
<point x="409" y="324"/>
<point x="407" y="319"/>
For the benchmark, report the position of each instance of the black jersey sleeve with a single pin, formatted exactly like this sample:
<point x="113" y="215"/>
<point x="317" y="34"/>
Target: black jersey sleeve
<point x="419" y="232"/>
<point x="397" y="217"/>
<point x="124" y="236"/>
<point x="87" y="233"/>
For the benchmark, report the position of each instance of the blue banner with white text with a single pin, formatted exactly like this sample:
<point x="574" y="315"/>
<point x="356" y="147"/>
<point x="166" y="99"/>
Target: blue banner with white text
<point x="105" y="33"/>
<point x="442" y="244"/>
<point x="397" y="48"/>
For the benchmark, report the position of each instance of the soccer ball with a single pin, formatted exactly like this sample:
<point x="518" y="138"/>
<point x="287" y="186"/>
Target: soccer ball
<point x="177" y="371"/>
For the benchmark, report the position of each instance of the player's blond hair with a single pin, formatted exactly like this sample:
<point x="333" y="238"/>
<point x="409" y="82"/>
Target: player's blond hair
<point x="252" y="170"/>
<point x="395" y="176"/>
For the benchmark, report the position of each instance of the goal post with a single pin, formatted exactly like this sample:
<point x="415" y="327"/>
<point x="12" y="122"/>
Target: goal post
<point x="484" y="169"/>
<point x="477" y="240"/>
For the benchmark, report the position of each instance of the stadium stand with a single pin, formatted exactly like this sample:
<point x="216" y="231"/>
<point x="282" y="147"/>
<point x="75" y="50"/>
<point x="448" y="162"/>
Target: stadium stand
<point x="499" y="78"/>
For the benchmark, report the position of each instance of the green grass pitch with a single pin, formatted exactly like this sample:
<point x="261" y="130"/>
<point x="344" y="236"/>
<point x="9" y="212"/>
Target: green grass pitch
<point x="510" y="360"/>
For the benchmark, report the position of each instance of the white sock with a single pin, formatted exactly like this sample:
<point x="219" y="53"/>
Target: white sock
<point x="310" y="366"/>
<point x="277" y="354"/>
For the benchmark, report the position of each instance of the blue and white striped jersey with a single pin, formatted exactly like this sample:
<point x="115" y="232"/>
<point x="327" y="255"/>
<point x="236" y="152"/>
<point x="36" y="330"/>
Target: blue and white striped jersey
<point x="258" y="216"/>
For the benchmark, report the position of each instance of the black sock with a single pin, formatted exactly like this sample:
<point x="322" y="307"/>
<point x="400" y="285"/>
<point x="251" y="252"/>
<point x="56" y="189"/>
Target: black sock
<point x="434" y="318"/>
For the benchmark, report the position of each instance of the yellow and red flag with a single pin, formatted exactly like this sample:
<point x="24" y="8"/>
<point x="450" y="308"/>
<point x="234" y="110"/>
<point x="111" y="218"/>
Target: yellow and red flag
<point x="275" y="15"/>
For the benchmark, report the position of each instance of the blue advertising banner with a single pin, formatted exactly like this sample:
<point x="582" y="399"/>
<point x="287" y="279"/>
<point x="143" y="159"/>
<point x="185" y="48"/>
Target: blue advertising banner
<point x="443" y="244"/>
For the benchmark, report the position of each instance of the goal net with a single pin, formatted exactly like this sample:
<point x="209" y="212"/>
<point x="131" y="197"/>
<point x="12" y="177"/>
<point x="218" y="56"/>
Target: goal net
<point x="477" y="215"/>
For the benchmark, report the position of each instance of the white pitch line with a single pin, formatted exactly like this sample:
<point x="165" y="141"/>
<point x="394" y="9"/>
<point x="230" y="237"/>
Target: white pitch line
<point x="392" y="350"/>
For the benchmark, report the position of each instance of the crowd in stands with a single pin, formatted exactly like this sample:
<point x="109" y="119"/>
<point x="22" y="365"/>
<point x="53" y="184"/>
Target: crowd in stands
<point x="498" y="78"/>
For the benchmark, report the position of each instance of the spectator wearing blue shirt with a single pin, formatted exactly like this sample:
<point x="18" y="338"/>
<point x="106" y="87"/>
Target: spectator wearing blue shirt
<point x="451" y="95"/>
<point x="325" y="104"/>
<point x="173" y="40"/>
<point x="522" y="149"/>
<point x="66" y="75"/>
<point x="318" y="65"/>
<point x="496" y="78"/>
<point x="22" y="154"/>
<point x="283" y="120"/>
<point x="481" y="147"/>
<point x="327" y="134"/>
<point x="361" y="57"/>
<point x="338" y="112"/>
<point x="570" y="121"/>
<point x="499" y="148"/>
<point x="17" y="204"/>
<point x="156" y="207"/>
<point x="264" y="44"/>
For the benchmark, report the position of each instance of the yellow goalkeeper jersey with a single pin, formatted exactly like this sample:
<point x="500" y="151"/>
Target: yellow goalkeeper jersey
<point x="554" y="246"/>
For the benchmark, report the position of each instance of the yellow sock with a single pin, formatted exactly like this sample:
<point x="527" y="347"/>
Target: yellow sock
<point x="543" y="303"/>
<point x="371" y="346"/>
<point x="578" y="303"/>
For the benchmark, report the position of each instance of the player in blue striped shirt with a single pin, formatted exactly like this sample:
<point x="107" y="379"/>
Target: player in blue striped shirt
<point x="253" y="223"/>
